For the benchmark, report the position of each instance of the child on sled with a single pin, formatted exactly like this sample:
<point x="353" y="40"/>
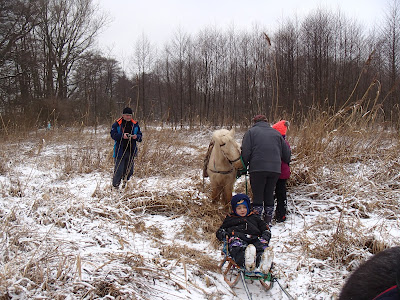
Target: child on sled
<point x="248" y="236"/>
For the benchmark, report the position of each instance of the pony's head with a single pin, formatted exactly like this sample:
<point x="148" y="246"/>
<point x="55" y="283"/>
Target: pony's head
<point x="223" y="133"/>
<point x="225" y="140"/>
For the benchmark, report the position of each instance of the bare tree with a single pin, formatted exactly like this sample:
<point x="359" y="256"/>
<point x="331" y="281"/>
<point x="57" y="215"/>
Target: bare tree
<point x="179" y="50"/>
<point x="143" y="61"/>
<point x="94" y="80"/>
<point x="17" y="20"/>
<point x="391" y="47"/>
<point x="286" y="52"/>
<point x="68" y="28"/>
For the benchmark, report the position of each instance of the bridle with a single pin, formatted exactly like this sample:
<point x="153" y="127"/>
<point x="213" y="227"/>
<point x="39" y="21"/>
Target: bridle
<point x="230" y="162"/>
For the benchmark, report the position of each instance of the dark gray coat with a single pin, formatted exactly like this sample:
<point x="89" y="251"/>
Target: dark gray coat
<point x="263" y="149"/>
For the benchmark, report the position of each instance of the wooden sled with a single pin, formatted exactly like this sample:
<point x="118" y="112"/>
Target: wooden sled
<point x="232" y="273"/>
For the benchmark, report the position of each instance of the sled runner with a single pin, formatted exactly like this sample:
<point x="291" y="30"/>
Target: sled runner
<point x="232" y="272"/>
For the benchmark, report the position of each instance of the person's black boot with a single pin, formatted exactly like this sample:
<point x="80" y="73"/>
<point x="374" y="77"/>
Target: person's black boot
<point x="258" y="209"/>
<point x="269" y="211"/>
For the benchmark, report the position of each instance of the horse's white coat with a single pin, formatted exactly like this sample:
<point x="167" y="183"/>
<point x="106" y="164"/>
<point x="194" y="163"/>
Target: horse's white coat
<point x="223" y="164"/>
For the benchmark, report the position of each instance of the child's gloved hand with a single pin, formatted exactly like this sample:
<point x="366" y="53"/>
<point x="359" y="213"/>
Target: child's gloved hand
<point x="221" y="234"/>
<point x="266" y="235"/>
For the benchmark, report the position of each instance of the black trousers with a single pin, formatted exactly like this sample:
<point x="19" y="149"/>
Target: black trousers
<point x="237" y="252"/>
<point x="263" y="186"/>
<point x="123" y="168"/>
<point x="281" y="198"/>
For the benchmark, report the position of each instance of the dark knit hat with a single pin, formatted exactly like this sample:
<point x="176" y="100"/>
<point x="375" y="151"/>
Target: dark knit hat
<point x="239" y="199"/>
<point x="259" y="118"/>
<point x="127" y="111"/>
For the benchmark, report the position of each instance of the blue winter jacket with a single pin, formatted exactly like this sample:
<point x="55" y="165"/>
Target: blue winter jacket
<point x="121" y="145"/>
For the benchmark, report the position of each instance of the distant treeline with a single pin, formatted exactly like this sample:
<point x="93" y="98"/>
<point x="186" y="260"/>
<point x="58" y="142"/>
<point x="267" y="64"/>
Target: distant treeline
<point x="50" y="69"/>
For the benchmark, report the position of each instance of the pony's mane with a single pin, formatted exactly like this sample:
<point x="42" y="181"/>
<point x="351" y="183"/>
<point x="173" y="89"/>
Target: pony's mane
<point x="219" y="134"/>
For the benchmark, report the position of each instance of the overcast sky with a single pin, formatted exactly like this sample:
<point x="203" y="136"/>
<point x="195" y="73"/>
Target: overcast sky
<point x="159" y="19"/>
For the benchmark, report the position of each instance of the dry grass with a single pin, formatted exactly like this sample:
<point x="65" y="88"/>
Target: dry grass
<point x="345" y="170"/>
<point x="166" y="153"/>
<point x="190" y="256"/>
<point x="350" y="156"/>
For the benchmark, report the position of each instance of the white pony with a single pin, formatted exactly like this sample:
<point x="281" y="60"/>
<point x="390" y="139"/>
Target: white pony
<point x="221" y="164"/>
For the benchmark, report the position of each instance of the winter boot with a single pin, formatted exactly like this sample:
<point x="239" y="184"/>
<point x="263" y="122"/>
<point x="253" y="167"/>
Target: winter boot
<point x="250" y="257"/>
<point x="280" y="219"/>
<point x="280" y="212"/>
<point x="258" y="210"/>
<point x="266" y="260"/>
<point x="269" y="211"/>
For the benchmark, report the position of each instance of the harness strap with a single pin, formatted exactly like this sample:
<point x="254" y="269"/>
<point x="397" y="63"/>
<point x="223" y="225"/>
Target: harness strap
<point x="210" y="148"/>
<point x="232" y="161"/>
<point x="392" y="291"/>
<point x="222" y="172"/>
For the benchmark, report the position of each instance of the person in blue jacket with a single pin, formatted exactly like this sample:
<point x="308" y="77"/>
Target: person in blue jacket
<point x="125" y="132"/>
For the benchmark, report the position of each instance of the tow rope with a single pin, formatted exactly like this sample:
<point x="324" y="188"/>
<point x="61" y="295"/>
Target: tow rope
<point x="241" y="172"/>
<point x="283" y="290"/>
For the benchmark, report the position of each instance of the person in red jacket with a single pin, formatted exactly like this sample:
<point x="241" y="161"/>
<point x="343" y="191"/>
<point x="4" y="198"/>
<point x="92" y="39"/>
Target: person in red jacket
<point x="280" y="187"/>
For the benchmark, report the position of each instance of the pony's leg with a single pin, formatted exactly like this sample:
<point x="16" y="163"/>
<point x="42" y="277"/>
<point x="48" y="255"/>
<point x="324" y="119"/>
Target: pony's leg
<point x="227" y="194"/>
<point x="215" y="194"/>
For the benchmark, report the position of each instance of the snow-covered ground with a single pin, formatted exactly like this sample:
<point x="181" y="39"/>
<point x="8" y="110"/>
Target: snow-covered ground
<point x="66" y="235"/>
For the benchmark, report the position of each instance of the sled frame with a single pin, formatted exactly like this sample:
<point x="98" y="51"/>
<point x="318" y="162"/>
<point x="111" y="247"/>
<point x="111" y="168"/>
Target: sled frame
<point x="232" y="272"/>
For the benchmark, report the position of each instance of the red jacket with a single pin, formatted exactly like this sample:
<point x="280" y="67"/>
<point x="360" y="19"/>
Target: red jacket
<point x="285" y="169"/>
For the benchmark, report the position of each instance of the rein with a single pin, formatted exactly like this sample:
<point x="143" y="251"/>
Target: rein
<point x="283" y="290"/>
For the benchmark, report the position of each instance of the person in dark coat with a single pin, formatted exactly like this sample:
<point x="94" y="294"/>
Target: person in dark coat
<point x="263" y="150"/>
<point x="280" y="188"/>
<point x="125" y="132"/>
<point x="248" y="236"/>
<point x="378" y="278"/>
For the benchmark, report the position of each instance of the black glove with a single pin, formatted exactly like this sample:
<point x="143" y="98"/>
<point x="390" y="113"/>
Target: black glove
<point x="266" y="235"/>
<point x="221" y="234"/>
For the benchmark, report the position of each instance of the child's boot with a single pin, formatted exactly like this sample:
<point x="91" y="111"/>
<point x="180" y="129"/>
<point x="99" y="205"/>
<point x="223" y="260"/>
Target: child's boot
<point x="266" y="260"/>
<point x="250" y="257"/>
